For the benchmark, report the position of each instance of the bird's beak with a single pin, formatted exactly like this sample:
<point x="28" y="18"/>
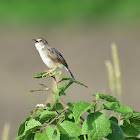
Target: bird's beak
<point x="34" y="40"/>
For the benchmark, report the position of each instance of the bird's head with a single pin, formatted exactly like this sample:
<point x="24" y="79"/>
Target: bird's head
<point x="40" y="41"/>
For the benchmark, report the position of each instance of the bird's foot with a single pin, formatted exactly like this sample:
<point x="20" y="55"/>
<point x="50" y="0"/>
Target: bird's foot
<point x="49" y="72"/>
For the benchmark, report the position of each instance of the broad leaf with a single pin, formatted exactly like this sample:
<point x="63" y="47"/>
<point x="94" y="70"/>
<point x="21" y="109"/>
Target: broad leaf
<point x="96" y="126"/>
<point x="117" y="133"/>
<point x="131" y="116"/>
<point x="114" y="119"/>
<point x="59" y="106"/>
<point x="22" y="126"/>
<point x="46" y="115"/>
<point x="122" y="109"/>
<point x="69" y="130"/>
<point x="48" y="135"/>
<point x="49" y="132"/>
<point x="39" y="136"/>
<point x="30" y="136"/>
<point x="79" y="109"/>
<point x="106" y="97"/>
<point x="132" y="138"/>
<point x="131" y="128"/>
<point x="57" y="135"/>
<point x="30" y="127"/>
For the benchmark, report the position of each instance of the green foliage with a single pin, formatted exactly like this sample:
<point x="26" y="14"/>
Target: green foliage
<point x="48" y="135"/>
<point x="123" y="109"/>
<point x="96" y="126"/>
<point x="65" y="122"/>
<point x="79" y="109"/>
<point x="40" y="75"/>
<point x="131" y="128"/>
<point x="117" y="133"/>
<point x="69" y="130"/>
<point x="106" y="97"/>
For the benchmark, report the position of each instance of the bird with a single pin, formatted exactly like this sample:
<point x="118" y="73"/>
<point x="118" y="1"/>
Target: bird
<point x="51" y="56"/>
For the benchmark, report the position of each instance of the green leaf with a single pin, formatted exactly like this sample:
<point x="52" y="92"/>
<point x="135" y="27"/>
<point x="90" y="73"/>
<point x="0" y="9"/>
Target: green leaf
<point x="114" y="119"/>
<point x="131" y="128"/>
<point x="30" y="136"/>
<point x="46" y="115"/>
<point x="69" y="115"/>
<point x="22" y="126"/>
<point x="59" y="106"/>
<point x="61" y="89"/>
<point x="131" y="116"/>
<point x="39" y="136"/>
<point x="30" y="127"/>
<point x="117" y="133"/>
<point x="97" y="96"/>
<point x="135" y="123"/>
<point x="69" y="130"/>
<point x="48" y="135"/>
<point x="96" y="126"/>
<point x="51" y="75"/>
<point x="79" y="109"/>
<point x="64" y="79"/>
<point x="57" y="135"/>
<point x="49" y="132"/>
<point x="107" y="97"/>
<point x="123" y="109"/>
<point x="77" y="82"/>
<point x="21" y="129"/>
<point x="71" y="106"/>
<point x="71" y="79"/>
<point x="132" y="138"/>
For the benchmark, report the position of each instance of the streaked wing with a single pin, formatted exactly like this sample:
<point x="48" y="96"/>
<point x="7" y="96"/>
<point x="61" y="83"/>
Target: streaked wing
<point x="56" y="56"/>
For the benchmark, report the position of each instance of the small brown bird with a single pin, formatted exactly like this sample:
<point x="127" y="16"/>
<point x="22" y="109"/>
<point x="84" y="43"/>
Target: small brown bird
<point x="50" y="56"/>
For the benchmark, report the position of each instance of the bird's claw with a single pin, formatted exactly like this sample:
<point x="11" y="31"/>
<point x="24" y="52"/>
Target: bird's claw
<point x="48" y="73"/>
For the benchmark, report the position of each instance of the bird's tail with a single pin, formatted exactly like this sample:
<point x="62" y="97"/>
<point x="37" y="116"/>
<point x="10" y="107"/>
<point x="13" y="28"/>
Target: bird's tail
<point x="71" y="73"/>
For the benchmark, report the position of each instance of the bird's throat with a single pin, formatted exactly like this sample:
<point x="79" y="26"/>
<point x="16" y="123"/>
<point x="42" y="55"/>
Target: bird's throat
<point x="39" y="47"/>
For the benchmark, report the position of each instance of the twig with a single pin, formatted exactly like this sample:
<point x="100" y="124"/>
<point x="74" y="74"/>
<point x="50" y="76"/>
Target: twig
<point x="95" y="106"/>
<point x="52" y="120"/>
<point x="44" y="89"/>
<point x="55" y="82"/>
<point x="48" y="89"/>
<point x="61" y="101"/>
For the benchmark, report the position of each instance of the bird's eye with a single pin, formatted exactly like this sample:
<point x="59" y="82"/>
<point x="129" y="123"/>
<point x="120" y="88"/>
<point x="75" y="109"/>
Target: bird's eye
<point x="40" y="40"/>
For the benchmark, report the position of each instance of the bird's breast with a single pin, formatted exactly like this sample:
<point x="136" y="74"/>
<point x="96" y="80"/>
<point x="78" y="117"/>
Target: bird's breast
<point x="48" y="61"/>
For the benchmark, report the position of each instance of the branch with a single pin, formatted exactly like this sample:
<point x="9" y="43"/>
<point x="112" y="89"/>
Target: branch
<point x="44" y="89"/>
<point x="55" y="82"/>
<point x="48" y="89"/>
<point x="52" y="120"/>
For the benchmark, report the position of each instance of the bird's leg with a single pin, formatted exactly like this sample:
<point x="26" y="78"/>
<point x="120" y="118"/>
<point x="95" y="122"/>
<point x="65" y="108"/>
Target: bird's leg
<point x="49" y="72"/>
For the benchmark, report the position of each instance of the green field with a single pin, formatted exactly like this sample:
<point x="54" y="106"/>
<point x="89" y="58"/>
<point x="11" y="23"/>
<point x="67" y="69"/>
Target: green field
<point x="55" y="12"/>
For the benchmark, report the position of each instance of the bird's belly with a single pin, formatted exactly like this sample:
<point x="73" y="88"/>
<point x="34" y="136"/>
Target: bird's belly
<point x="48" y="61"/>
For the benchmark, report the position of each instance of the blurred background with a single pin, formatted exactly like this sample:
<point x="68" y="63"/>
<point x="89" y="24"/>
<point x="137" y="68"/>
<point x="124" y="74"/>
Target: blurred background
<point x="83" y="31"/>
